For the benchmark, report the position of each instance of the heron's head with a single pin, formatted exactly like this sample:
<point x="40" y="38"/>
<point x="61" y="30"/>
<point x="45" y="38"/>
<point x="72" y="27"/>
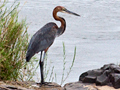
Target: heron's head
<point x="64" y="10"/>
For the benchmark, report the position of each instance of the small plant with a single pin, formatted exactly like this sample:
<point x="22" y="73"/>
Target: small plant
<point x="53" y="76"/>
<point x="64" y="63"/>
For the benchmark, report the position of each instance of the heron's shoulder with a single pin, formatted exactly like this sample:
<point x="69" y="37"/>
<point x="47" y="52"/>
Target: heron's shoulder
<point x="50" y="25"/>
<point x="46" y="33"/>
<point x="48" y="28"/>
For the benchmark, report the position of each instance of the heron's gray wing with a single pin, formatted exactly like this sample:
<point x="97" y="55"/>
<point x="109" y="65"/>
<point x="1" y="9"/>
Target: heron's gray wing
<point x="42" y="39"/>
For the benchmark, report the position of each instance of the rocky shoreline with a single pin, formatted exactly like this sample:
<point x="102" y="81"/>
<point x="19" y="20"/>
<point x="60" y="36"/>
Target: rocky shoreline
<point x="52" y="86"/>
<point x="109" y="75"/>
<point x="98" y="79"/>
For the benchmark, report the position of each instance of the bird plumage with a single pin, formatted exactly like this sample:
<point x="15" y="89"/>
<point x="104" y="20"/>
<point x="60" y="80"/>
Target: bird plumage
<point x="42" y="39"/>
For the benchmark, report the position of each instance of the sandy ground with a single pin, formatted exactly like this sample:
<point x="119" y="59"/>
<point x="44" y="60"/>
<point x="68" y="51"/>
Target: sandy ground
<point x="10" y="85"/>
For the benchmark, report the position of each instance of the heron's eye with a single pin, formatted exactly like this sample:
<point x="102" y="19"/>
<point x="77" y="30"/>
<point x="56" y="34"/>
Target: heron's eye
<point x="63" y="9"/>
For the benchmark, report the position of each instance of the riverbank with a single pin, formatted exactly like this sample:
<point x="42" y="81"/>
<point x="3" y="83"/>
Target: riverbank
<point x="106" y="77"/>
<point x="12" y="85"/>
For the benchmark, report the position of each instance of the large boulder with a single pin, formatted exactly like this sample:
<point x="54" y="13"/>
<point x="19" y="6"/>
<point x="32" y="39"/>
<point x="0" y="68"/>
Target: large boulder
<point x="109" y="74"/>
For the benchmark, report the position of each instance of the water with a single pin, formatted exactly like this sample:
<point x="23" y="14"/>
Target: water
<point x="96" y="34"/>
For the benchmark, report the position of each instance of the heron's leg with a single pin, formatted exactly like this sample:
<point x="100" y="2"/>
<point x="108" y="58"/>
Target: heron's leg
<point x="42" y="57"/>
<point x="41" y="66"/>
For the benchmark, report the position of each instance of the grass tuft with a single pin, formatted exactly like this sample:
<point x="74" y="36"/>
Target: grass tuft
<point x="13" y="42"/>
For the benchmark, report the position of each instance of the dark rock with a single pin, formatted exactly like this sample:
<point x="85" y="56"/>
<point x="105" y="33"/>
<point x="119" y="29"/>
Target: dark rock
<point x="109" y="74"/>
<point x="115" y="80"/>
<point x="82" y="76"/>
<point x="107" y="66"/>
<point x="115" y="68"/>
<point x="102" y="79"/>
<point x="95" y="72"/>
<point x="90" y="75"/>
<point x="89" y="79"/>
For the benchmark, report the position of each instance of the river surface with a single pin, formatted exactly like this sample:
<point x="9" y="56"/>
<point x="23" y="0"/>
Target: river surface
<point x="96" y="34"/>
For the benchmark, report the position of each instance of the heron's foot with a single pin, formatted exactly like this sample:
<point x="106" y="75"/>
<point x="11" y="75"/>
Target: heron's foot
<point x="46" y="84"/>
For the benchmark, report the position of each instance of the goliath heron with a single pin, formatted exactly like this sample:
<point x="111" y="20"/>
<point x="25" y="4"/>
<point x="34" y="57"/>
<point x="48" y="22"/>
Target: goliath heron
<point x="44" y="38"/>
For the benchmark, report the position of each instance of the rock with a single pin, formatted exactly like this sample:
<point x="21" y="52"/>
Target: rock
<point x="85" y="86"/>
<point x="82" y="76"/>
<point x="115" y="68"/>
<point x="89" y="79"/>
<point x="109" y="74"/>
<point x="107" y="66"/>
<point x="90" y="76"/>
<point x="49" y="86"/>
<point x="78" y="86"/>
<point x="12" y="85"/>
<point x="115" y="80"/>
<point x="102" y="79"/>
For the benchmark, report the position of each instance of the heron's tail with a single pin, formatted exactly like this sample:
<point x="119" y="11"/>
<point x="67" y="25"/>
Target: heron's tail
<point x="29" y="56"/>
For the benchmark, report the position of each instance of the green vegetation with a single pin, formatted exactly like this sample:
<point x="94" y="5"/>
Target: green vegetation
<point x="13" y="42"/>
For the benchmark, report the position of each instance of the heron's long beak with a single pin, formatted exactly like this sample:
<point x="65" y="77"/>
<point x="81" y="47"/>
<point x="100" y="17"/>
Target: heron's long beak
<point x="70" y="12"/>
